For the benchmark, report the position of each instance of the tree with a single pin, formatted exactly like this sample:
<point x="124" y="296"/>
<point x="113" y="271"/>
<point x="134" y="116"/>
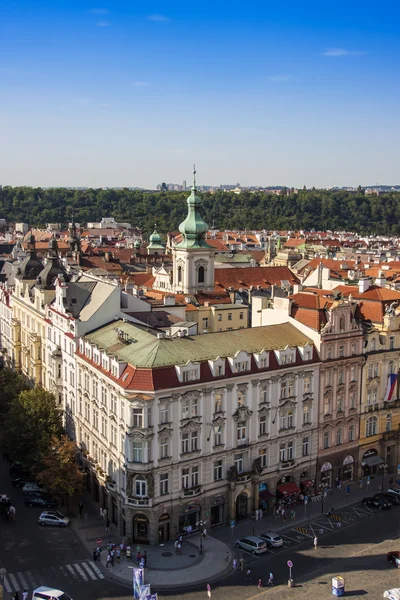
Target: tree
<point x="29" y="425"/>
<point x="11" y="385"/>
<point x="60" y="474"/>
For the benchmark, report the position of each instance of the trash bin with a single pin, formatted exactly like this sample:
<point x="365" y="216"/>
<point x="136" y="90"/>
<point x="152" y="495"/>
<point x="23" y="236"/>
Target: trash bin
<point x="337" y="586"/>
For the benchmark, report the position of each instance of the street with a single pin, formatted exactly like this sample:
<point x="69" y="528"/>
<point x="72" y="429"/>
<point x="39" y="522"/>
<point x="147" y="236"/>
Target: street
<point x="34" y="556"/>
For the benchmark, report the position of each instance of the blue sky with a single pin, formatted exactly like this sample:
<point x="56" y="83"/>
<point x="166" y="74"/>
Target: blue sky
<point x="258" y="92"/>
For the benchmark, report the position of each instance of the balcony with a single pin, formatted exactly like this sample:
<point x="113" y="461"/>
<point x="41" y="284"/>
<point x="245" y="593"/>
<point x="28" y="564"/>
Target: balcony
<point x="139" y="467"/>
<point x="286" y="464"/>
<point x="140" y="502"/>
<point x="244" y="477"/>
<point x="243" y="442"/>
<point x="191" y="492"/>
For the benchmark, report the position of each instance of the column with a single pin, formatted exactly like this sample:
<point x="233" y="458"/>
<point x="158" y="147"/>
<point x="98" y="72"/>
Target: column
<point x="232" y="502"/>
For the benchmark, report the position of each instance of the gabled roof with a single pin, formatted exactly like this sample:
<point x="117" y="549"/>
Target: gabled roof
<point x="262" y="276"/>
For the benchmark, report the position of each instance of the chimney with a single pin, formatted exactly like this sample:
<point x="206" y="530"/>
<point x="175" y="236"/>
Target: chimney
<point x="381" y="279"/>
<point x="363" y="284"/>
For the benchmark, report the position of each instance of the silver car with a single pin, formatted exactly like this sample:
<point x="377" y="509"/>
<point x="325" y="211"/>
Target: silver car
<point x="252" y="544"/>
<point x="273" y="539"/>
<point x="51" y="518"/>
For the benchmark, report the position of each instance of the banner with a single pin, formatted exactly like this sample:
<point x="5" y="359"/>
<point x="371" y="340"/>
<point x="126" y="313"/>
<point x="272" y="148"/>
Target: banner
<point x="137" y="582"/>
<point x="391" y="387"/>
<point x="145" y="592"/>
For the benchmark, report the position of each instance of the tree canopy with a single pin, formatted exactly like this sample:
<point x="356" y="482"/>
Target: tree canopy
<point x="305" y="209"/>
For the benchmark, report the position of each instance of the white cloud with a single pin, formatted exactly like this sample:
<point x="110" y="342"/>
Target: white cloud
<point x="278" y="78"/>
<point x="140" y="83"/>
<point x="157" y="17"/>
<point x="103" y="23"/>
<point x="340" y="52"/>
<point x="98" y="11"/>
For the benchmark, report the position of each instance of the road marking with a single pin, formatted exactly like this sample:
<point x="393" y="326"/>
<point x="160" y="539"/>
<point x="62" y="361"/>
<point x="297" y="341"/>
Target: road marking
<point x="22" y="579"/>
<point x="96" y="570"/>
<point x="81" y="572"/>
<point x="15" y="583"/>
<point x="289" y="538"/>
<point x="7" y="585"/>
<point x="305" y="534"/>
<point x="71" y="570"/>
<point x="31" y="579"/>
<point x="86" y="567"/>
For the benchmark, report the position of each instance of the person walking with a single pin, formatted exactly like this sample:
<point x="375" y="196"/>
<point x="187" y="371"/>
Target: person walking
<point x="270" y="579"/>
<point x="109" y="561"/>
<point x="179" y="548"/>
<point x="315" y="542"/>
<point x="259" y="583"/>
<point x="107" y="524"/>
<point x="145" y="558"/>
<point x="348" y="490"/>
<point x="234" y="564"/>
<point x="248" y="575"/>
<point x="241" y="562"/>
<point x="80" y="509"/>
<point x="293" y="515"/>
<point x="260" y="513"/>
<point x="16" y="596"/>
<point x="25" y="595"/>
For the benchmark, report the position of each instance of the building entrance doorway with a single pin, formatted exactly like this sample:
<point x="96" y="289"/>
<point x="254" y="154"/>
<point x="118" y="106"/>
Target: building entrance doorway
<point x="241" y="506"/>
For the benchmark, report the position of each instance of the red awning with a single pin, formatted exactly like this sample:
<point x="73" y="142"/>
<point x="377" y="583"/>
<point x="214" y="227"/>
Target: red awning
<point x="306" y="483"/>
<point x="288" y="489"/>
<point x="266" y="495"/>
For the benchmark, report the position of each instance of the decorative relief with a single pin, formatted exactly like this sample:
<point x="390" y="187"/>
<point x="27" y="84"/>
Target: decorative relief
<point x="255" y="382"/>
<point x="230" y="387"/>
<point x="190" y="426"/>
<point x="242" y="413"/>
<point x="263" y="412"/>
<point x="242" y="387"/>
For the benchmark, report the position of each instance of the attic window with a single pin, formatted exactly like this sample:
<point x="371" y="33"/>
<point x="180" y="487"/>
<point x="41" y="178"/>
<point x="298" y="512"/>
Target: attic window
<point x="125" y="377"/>
<point x="73" y="300"/>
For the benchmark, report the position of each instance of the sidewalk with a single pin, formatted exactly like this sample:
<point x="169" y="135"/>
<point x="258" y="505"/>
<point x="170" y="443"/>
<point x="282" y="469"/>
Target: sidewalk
<point x="165" y="570"/>
<point x="336" y="499"/>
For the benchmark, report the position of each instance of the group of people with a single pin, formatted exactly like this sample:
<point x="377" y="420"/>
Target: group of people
<point x="7" y="509"/>
<point x="238" y="564"/>
<point x="178" y="544"/>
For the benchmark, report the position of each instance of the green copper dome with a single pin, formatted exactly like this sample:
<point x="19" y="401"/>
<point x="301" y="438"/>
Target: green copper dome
<point x="193" y="228"/>
<point x="155" y="240"/>
<point x="137" y="244"/>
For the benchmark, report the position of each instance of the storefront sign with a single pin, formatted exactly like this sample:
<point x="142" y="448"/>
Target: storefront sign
<point x="326" y="467"/>
<point x="193" y="508"/>
<point x="218" y="500"/>
<point x="164" y="517"/>
<point x="139" y="519"/>
<point x="348" y="460"/>
<point x="262" y="487"/>
<point x="371" y="452"/>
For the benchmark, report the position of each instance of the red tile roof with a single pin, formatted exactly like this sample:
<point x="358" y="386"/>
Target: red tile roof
<point x="244" y="278"/>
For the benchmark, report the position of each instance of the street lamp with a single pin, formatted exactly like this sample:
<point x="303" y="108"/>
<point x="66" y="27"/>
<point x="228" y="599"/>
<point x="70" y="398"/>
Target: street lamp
<point x="201" y="524"/>
<point x="383" y="467"/>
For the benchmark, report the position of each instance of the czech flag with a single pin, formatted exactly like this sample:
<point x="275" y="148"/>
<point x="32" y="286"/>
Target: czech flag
<point x="390" y="392"/>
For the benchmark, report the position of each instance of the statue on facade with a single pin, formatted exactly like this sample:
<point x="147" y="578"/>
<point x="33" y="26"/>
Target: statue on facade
<point x="256" y="468"/>
<point x="232" y="474"/>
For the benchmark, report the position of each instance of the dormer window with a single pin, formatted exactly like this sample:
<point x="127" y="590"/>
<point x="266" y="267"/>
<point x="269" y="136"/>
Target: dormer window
<point x="190" y="375"/>
<point x="241" y="366"/>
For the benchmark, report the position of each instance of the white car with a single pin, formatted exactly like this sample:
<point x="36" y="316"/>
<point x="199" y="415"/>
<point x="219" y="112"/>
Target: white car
<point x="394" y="491"/>
<point x="273" y="539"/>
<point x="51" y="518"/>
<point x="47" y="593"/>
<point x="393" y="594"/>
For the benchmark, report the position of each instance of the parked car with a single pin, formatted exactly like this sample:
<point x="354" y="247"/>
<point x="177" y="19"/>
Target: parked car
<point x="394" y="490"/>
<point x="252" y="544"/>
<point x="18" y="482"/>
<point x="56" y="513"/>
<point x="47" y="593"/>
<point x="378" y="503"/>
<point x="32" y="487"/>
<point x="42" y="501"/>
<point x="392" y="498"/>
<point x="273" y="539"/>
<point x="394" y="558"/>
<point x="49" y="518"/>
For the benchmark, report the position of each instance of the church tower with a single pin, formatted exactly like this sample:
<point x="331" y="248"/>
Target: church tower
<point x="193" y="258"/>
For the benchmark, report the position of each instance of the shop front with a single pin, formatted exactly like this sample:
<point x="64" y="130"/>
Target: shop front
<point x="348" y="469"/>
<point x="242" y="506"/>
<point x="141" y="529"/>
<point x="326" y="475"/>
<point x="190" y="518"/>
<point x="266" y="498"/>
<point x="307" y="485"/>
<point x="164" y="527"/>
<point x="370" y="462"/>
<point x="286" y="487"/>
<point x="217" y="511"/>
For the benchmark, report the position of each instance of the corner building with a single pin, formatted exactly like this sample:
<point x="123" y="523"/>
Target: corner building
<point x="180" y="431"/>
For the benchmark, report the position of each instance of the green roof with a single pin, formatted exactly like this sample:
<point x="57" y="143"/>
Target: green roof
<point x="145" y="350"/>
<point x="193" y="228"/>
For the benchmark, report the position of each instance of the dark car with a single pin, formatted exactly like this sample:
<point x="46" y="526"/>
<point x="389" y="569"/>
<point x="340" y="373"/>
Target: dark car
<point x="19" y="482"/>
<point x="40" y="501"/>
<point x="379" y="503"/>
<point x="392" y="498"/>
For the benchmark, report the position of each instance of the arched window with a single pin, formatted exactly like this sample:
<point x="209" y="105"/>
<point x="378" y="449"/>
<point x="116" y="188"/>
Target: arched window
<point x="388" y="422"/>
<point x="371" y="427"/>
<point x="179" y="274"/>
<point x="200" y="275"/>
<point x="341" y="324"/>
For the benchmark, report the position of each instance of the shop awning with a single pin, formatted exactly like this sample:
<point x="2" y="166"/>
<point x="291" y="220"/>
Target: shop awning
<point x="306" y="483"/>
<point x="288" y="489"/>
<point x="372" y="461"/>
<point x="265" y="495"/>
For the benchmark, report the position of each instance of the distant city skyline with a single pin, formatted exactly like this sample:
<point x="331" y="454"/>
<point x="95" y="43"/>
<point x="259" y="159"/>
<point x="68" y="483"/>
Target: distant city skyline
<point x="264" y="93"/>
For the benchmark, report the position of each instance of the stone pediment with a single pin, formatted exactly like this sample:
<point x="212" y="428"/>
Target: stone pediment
<point x="242" y="413"/>
<point x="190" y="426"/>
<point x="218" y="421"/>
<point x="264" y="411"/>
<point x="288" y="404"/>
<point x="139" y="435"/>
<point x="165" y="432"/>
<point x="192" y="395"/>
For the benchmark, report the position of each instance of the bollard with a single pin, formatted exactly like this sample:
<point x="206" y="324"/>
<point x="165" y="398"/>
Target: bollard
<point x="290" y="583"/>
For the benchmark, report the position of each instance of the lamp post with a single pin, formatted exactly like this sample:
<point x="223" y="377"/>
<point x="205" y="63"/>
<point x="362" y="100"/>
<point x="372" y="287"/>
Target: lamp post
<point x="383" y="467"/>
<point x="201" y="524"/>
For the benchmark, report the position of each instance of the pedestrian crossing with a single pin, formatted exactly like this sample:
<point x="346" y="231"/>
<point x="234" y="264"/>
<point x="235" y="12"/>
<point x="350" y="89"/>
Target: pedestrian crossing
<point x="74" y="573"/>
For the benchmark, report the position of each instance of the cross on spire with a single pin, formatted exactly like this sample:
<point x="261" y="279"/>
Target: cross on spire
<point x="194" y="177"/>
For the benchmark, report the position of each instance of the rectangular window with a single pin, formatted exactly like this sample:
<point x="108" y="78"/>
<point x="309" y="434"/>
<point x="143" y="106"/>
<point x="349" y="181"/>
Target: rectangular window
<point x="113" y="400"/>
<point x="185" y="478"/>
<point x="376" y="370"/>
<point x="122" y="442"/>
<point x="306" y="414"/>
<point x="137" y="417"/>
<point x="103" y="396"/>
<point x="218" y="403"/>
<point x="205" y="322"/>
<point x="339" y="436"/>
<point x="220" y="370"/>
<point x="391" y="342"/>
<point x="96" y="419"/>
<point x="240" y="399"/>
<point x="262" y="454"/>
<point x="352" y="400"/>
<point x="195" y="476"/>
<point x="370" y="367"/>
<point x="307" y="385"/>
<point x="341" y="351"/>
<point x="263" y="425"/>
<point x="140" y="487"/>
<point x="193" y="441"/>
<point x="263" y="363"/>
<point x="329" y="378"/>
<point x="113" y="435"/>
<point x="163" y="484"/>
<point x="239" y="462"/>
<point x="290" y="388"/>
<point x="353" y="376"/>
<point x="95" y="388"/>
<point x="306" y="442"/>
<point x="122" y="409"/>
<point x="164" y="448"/>
<point x="218" y="435"/>
<point x="195" y="408"/>
<point x="241" y="431"/>
<point x="264" y="393"/>
<point x="290" y="450"/>
<point x="219" y="317"/>
<point x="185" y="443"/>
<point x="282" y="452"/>
<point x="283" y="389"/>
<point x="137" y="452"/>
<point x="241" y="316"/>
<point x="164" y="416"/>
<point x="218" y="470"/>
<point x="329" y="353"/>
<point x="340" y="404"/>
<point x="326" y="440"/>
<point x="185" y="410"/>
<point x="282" y="421"/>
<point x="341" y="377"/>
<point x="290" y="418"/>
<point x="104" y="426"/>
<point x="229" y="316"/>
